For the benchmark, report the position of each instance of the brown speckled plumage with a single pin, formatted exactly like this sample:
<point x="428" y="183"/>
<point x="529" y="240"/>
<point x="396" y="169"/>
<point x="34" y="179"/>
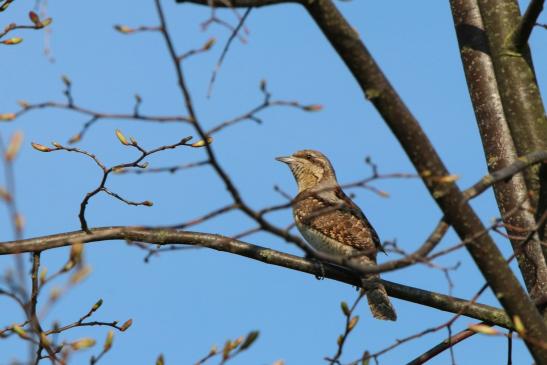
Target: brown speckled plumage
<point x="331" y="222"/>
<point x="342" y="222"/>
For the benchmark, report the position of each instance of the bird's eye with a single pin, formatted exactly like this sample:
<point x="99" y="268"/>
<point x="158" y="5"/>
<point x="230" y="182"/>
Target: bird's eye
<point x="309" y="156"/>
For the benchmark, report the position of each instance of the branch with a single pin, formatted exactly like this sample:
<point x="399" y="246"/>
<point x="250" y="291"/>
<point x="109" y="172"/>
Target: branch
<point x="438" y="233"/>
<point x="267" y="102"/>
<point x="511" y="193"/>
<point x="31" y="312"/>
<point x="521" y="34"/>
<point x="517" y="83"/>
<point x="37" y="24"/>
<point x="220" y="243"/>
<point x="96" y="116"/>
<point x="225" y="50"/>
<point x="351" y="322"/>
<point x="419" y="255"/>
<point x="507" y="172"/>
<point x="239" y="3"/>
<point x="106" y="172"/>
<point x="444" y="345"/>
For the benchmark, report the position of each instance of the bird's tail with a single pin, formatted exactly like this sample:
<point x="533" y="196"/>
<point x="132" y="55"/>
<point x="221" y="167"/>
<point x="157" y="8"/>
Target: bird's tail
<point x="379" y="302"/>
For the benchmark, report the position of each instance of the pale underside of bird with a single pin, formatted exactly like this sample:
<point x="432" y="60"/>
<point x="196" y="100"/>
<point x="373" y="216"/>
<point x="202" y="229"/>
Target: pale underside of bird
<point x="331" y="223"/>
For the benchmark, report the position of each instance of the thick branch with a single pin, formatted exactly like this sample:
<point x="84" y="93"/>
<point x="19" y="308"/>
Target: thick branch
<point x="517" y="84"/>
<point x="266" y="255"/>
<point x="501" y="156"/>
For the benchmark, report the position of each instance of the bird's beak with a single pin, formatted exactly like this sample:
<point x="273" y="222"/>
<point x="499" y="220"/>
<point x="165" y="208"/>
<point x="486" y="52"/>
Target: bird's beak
<point x="285" y="159"/>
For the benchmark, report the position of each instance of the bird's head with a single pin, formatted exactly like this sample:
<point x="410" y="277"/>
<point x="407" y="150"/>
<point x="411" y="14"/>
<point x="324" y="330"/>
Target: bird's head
<point x="310" y="169"/>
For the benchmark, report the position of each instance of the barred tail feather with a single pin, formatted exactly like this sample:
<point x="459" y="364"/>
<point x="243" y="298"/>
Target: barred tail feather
<point x="379" y="303"/>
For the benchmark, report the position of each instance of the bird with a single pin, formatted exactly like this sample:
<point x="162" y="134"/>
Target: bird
<point x="332" y="223"/>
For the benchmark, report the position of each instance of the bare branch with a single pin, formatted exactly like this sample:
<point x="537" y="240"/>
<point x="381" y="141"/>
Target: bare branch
<point x="170" y="169"/>
<point x="265" y="104"/>
<point x="351" y="322"/>
<point x="507" y="172"/>
<point x="96" y="116"/>
<point x="444" y="345"/>
<point x="33" y="317"/>
<point x="117" y="168"/>
<point x="225" y="50"/>
<point x="269" y="256"/>
<point x="521" y="34"/>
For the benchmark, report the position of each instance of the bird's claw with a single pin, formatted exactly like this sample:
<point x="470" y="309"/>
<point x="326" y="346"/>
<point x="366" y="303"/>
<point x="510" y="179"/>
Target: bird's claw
<point x="318" y="267"/>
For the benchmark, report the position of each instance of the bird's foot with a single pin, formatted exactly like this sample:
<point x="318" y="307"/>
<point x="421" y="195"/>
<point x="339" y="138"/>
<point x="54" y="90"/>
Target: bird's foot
<point x="318" y="267"/>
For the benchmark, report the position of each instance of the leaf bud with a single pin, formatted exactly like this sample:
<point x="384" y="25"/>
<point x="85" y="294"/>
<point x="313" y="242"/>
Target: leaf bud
<point x="121" y="137"/>
<point x="40" y="147"/>
<point x="126" y="325"/>
<point x="82" y="344"/>
<point x="202" y="143"/>
<point x="108" y="342"/>
<point x="12" y="41"/>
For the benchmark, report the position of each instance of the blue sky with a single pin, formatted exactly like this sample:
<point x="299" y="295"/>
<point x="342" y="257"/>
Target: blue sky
<point x="183" y="302"/>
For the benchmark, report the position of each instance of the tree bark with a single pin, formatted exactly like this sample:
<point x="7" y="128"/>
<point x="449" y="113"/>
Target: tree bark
<point x="512" y="194"/>
<point x="518" y="87"/>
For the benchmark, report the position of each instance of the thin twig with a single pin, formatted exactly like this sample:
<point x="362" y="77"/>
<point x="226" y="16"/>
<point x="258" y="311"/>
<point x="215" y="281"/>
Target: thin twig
<point x="444" y="345"/>
<point x="225" y="50"/>
<point x="350" y="323"/>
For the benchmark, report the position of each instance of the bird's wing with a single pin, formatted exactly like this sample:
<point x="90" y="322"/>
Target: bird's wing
<point x="339" y="219"/>
<point x="355" y="210"/>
